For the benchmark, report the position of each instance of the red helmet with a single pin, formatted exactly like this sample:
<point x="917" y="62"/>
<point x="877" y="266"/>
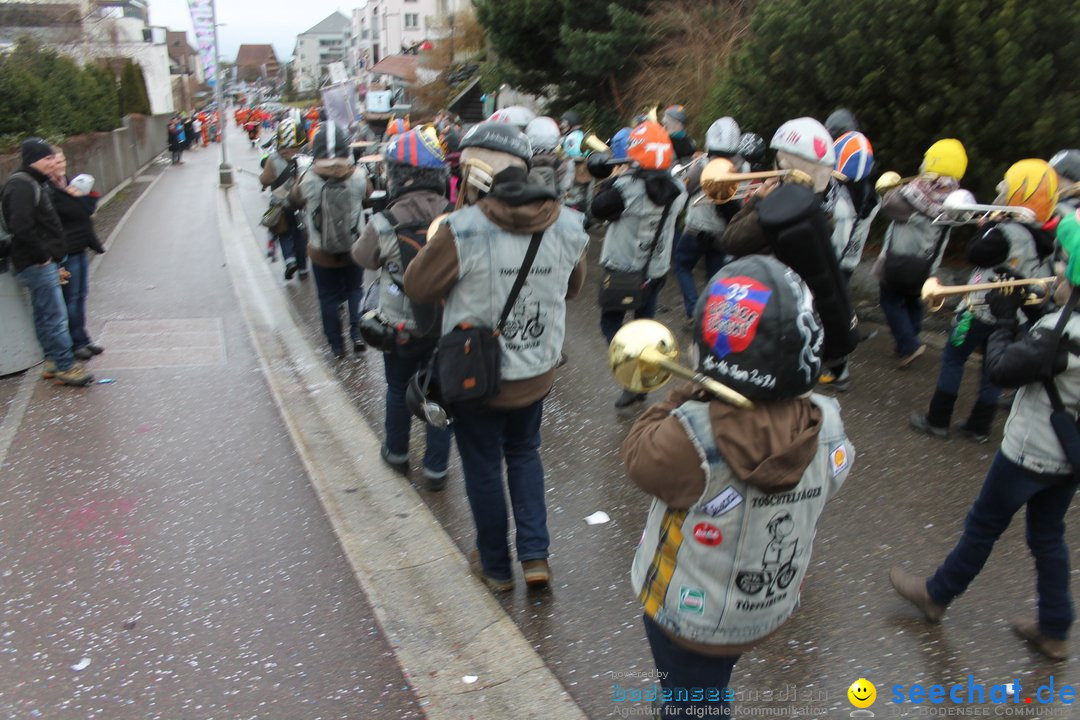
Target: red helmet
<point x="650" y="146"/>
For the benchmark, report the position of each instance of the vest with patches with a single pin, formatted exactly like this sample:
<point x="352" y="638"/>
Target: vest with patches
<point x="728" y="570"/>
<point x="627" y="242"/>
<point x="1023" y="259"/>
<point x="489" y="258"/>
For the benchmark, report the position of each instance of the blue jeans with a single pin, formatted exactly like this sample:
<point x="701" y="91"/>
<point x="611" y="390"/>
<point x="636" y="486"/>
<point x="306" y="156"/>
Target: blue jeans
<point x="612" y="320"/>
<point x="689" y="249"/>
<point x="50" y="313"/>
<point x="399" y="369"/>
<point x="485" y="438"/>
<point x="1006" y="489"/>
<point x="956" y="353"/>
<point x="293" y="242"/>
<point x="680" y="669"/>
<point x="904" y="314"/>
<point x="75" y="292"/>
<point x="337" y="286"/>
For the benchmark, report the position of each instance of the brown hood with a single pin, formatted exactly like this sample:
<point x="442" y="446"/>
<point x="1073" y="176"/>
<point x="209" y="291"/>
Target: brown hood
<point x="528" y="218"/>
<point x="333" y="168"/>
<point x="769" y="445"/>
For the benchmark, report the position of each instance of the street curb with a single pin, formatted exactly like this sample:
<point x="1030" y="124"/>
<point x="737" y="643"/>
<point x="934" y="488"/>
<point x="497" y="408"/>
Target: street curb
<point x="441" y="623"/>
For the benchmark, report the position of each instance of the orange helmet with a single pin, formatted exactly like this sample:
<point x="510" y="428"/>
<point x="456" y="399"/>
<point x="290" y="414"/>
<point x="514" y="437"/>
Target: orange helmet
<point x="650" y="146"/>
<point x="1032" y="184"/>
<point x="397" y="125"/>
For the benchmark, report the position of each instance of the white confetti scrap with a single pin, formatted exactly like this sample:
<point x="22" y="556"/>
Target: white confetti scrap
<point x="598" y="518"/>
<point x="469" y="679"/>
<point x="81" y="665"/>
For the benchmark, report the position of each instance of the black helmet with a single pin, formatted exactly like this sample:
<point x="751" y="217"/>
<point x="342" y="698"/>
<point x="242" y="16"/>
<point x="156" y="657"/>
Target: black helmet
<point x="841" y="121"/>
<point x="1066" y="163"/>
<point x="752" y="148"/>
<point x="499" y="137"/>
<point x="756" y="330"/>
<point x="572" y="118"/>
<point x="331" y="141"/>
<point x="422" y="398"/>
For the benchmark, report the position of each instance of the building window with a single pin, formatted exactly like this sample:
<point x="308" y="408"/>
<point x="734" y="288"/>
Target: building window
<point x="412" y="20"/>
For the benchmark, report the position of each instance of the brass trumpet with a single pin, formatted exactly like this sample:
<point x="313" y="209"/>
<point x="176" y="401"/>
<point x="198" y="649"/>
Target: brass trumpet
<point x="934" y="293"/>
<point x="721" y="182"/>
<point x="642" y="357"/>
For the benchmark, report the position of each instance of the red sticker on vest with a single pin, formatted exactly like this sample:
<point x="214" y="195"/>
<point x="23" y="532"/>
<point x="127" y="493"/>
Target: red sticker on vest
<point x="707" y="534"/>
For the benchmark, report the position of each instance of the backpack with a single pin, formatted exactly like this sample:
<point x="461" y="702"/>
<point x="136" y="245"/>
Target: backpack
<point x="334" y="217"/>
<point x="411" y="237"/>
<point x="5" y="234"/>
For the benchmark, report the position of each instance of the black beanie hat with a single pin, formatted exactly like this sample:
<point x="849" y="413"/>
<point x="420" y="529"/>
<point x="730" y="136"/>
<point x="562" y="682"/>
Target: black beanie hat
<point x="34" y="149"/>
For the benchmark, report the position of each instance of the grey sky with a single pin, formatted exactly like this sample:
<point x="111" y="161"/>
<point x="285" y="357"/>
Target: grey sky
<point x="252" y="21"/>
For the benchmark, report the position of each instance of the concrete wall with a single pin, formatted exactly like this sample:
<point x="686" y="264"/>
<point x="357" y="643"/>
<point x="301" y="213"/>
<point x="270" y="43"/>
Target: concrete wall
<point x="111" y="157"/>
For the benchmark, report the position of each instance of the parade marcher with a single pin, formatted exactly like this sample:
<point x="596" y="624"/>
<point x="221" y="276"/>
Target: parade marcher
<point x="1032" y="468"/>
<point x="1022" y="250"/>
<point x="416" y="184"/>
<point x="1066" y="164"/>
<point x="787" y="219"/>
<point x="547" y="167"/>
<point x="674" y="122"/>
<point x="641" y="207"/>
<point x="737" y="492"/>
<point x="37" y="248"/>
<point x="579" y="193"/>
<point x="570" y="121"/>
<point x="472" y="262"/>
<point x="705" y="221"/>
<point x="752" y="149"/>
<point x="913" y="245"/>
<point x="176" y="141"/>
<point x="280" y="173"/>
<point x="75" y="205"/>
<point x="332" y="193"/>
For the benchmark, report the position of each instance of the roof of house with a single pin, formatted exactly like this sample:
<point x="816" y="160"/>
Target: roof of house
<point x="177" y="45"/>
<point x="335" y="22"/>
<point x="399" y="66"/>
<point x="255" y="55"/>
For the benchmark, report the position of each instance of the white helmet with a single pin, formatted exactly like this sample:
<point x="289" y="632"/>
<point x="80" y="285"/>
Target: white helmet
<point x="723" y="137"/>
<point x="543" y="133"/>
<point x="805" y="138"/>
<point x="515" y="115"/>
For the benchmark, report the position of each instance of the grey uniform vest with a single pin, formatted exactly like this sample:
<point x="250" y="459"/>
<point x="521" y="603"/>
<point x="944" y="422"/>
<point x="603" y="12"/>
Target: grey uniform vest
<point x="1023" y="258"/>
<point x="626" y="244"/>
<point x="728" y="570"/>
<point x="489" y="259"/>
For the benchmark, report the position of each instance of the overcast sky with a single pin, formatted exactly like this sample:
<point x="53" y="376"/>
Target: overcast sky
<point x="253" y="21"/>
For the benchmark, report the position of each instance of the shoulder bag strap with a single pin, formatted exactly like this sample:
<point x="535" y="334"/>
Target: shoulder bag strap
<point x="655" y="242"/>
<point x="519" y="281"/>
<point x="284" y="175"/>
<point x="1059" y="330"/>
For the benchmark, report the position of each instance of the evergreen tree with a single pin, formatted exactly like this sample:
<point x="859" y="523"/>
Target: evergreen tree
<point x="133" y="97"/>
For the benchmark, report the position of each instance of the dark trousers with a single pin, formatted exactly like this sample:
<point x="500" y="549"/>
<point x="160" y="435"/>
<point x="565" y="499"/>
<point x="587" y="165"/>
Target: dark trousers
<point x="689" y="249"/>
<point x="904" y="314"/>
<point x="681" y="669"/>
<point x="294" y="242"/>
<point x="1006" y="489"/>
<point x="965" y="339"/>
<point x="612" y="320"/>
<point x="339" y="286"/>
<point x="75" y="292"/>
<point x="399" y="368"/>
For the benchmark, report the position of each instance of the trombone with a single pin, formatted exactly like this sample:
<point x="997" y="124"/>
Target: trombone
<point x="934" y="293"/>
<point x="890" y="181"/>
<point x="642" y="357"/>
<point x="721" y="182"/>
<point x="960" y="208"/>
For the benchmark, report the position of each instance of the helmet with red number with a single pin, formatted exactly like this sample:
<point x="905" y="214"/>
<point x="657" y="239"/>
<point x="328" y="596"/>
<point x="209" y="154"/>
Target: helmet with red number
<point x="1030" y="184"/>
<point x="650" y="146"/>
<point x="854" y="156"/>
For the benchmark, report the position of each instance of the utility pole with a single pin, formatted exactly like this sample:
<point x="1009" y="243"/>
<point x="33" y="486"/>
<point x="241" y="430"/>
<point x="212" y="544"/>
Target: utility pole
<point x="225" y="171"/>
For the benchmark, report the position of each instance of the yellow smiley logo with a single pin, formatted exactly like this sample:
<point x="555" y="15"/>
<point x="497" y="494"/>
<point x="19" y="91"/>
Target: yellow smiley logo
<point x="862" y="693"/>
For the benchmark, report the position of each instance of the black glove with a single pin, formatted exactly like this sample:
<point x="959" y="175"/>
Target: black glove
<point x="1004" y="303"/>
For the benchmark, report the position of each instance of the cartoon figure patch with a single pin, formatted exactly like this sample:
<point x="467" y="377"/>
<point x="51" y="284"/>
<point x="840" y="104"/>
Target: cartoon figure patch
<point x="778" y="566"/>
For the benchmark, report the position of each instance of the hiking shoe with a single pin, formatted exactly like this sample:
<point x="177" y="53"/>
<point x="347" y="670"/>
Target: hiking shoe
<point x="920" y="422"/>
<point x="912" y="588"/>
<point x="906" y="360"/>
<point x="537" y="573"/>
<point x="303" y="274"/>
<point x="840" y="382"/>
<point x="75" y="375"/>
<point x="358" y="346"/>
<point x="82" y="353"/>
<point x="400" y="463"/>
<point x="290" y="269"/>
<point x="94" y="349"/>
<point x="1053" y="648"/>
<point x="628" y="398"/>
<point x="48" y="370"/>
<point x="494" y="584"/>
<point x="435" y="481"/>
<point x="976" y="437"/>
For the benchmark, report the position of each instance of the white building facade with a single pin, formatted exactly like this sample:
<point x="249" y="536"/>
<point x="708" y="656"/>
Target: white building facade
<point x="388" y="27"/>
<point x="325" y="43"/>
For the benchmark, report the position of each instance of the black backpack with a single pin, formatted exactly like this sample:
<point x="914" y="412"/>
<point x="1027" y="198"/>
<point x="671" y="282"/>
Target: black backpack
<point x="411" y="237"/>
<point x="333" y="218"/>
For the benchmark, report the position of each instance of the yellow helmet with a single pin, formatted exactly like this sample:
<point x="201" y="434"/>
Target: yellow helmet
<point x="946" y="157"/>
<point x="1032" y="184"/>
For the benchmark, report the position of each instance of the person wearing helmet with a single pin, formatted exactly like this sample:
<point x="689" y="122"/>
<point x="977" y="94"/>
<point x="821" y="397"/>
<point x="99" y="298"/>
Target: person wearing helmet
<point x="1066" y="164"/>
<point x="788" y="219"/>
<point x="472" y="262"/>
<point x="331" y="192"/>
<point x="841" y="121"/>
<point x="416" y="183"/>
<point x="517" y="115"/>
<point x="737" y="493"/>
<point x="705" y="221"/>
<point x="674" y="122"/>
<point x="395" y="126"/>
<point x="547" y="168"/>
<point x="581" y="184"/>
<point x="1033" y="469"/>
<point x="752" y="149"/>
<point x="569" y="122"/>
<point x="1010" y="248"/>
<point x="641" y="207"/>
<point x="279" y="174"/>
<point x="912" y="237"/>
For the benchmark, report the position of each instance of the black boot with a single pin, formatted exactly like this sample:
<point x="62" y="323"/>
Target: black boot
<point x="936" y="421"/>
<point x="979" y="422"/>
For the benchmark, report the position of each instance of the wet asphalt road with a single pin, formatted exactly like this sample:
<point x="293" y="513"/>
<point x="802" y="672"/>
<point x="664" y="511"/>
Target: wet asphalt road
<point x="904" y="503"/>
<point x="162" y="553"/>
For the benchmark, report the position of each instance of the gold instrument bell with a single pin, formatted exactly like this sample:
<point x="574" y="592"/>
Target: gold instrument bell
<point x="643" y="356"/>
<point x="721" y="182"/>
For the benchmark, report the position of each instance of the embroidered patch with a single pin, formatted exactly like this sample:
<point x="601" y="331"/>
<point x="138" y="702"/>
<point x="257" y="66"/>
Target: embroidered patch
<point x="728" y="499"/>
<point x="733" y="312"/>
<point x="692" y="600"/>
<point x="707" y="534"/>
<point x="838" y="458"/>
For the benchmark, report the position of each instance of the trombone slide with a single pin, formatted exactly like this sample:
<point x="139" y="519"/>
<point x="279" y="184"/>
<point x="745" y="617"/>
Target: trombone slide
<point x="650" y="356"/>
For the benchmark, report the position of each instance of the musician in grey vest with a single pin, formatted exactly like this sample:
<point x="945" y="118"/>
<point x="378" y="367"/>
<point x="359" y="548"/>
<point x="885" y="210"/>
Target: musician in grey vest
<point x="471" y="262"/>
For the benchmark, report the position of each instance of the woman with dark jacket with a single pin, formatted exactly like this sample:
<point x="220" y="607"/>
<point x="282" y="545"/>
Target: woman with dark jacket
<point x="75" y="204"/>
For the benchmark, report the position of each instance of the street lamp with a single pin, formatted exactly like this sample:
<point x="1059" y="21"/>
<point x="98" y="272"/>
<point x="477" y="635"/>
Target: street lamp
<point x="225" y="171"/>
